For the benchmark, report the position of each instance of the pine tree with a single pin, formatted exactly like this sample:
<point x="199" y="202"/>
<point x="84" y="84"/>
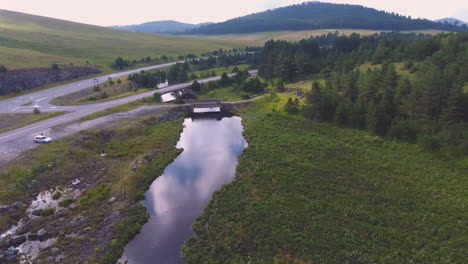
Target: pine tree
<point x="372" y="119"/>
<point x="453" y="111"/>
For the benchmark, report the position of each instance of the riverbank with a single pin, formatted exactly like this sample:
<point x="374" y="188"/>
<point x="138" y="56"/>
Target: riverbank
<point x="90" y="183"/>
<point x="308" y="192"/>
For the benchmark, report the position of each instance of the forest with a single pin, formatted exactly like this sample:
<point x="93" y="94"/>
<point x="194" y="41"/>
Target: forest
<point x="183" y="72"/>
<point x="316" y="15"/>
<point x="415" y="88"/>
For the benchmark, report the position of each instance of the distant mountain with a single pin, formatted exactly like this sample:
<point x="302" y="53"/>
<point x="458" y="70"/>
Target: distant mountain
<point x="317" y="15"/>
<point x="161" y="27"/>
<point x="452" y="21"/>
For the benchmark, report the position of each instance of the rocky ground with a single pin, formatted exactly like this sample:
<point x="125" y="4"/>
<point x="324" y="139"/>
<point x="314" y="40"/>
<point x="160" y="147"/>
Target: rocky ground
<point x="50" y="225"/>
<point x="27" y="79"/>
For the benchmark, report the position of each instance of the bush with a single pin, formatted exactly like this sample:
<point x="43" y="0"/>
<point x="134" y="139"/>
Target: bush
<point x="56" y="195"/>
<point x="292" y="106"/>
<point x="428" y="142"/>
<point x="47" y="212"/>
<point x="179" y="101"/>
<point x="245" y="95"/>
<point x="55" y="66"/>
<point x="104" y="95"/>
<point x="66" y="202"/>
<point x="36" y="111"/>
<point x="100" y="193"/>
<point x="119" y="81"/>
<point x="97" y="88"/>
<point x="3" y="68"/>
<point x="157" y="97"/>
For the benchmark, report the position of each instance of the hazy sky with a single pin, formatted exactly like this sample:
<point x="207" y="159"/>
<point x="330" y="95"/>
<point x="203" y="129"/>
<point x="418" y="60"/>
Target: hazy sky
<point x="112" y="12"/>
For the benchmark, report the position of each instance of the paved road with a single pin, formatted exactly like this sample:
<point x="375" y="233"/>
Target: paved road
<point x="17" y="137"/>
<point x="42" y="98"/>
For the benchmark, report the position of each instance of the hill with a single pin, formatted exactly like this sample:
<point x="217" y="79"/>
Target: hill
<point x="317" y="15"/>
<point x="161" y="27"/>
<point x="452" y="21"/>
<point x="29" y="41"/>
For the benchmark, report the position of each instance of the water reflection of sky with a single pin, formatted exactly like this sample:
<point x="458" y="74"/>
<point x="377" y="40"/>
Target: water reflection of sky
<point x="178" y="196"/>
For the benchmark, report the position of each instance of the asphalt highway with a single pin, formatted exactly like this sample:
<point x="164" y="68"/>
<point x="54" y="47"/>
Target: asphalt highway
<point x="41" y="100"/>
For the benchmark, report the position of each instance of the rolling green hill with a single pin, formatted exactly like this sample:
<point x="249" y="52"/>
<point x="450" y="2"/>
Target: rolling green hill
<point x="28" y="41"/>
<point x="316" y="15"/>
<point x="161" y="27"/>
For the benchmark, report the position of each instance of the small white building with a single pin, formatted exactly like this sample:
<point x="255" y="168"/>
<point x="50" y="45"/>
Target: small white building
<point x="163" y="85"/>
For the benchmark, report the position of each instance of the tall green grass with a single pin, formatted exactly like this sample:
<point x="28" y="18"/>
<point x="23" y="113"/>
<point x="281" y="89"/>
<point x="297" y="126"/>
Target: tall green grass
<point x="308" y="192"/>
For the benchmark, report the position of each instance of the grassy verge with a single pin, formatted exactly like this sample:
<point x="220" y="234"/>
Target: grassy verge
<point x="120" y="108"/>
<point x="17" y="120"/>
<point x="308" y="192"/>
<point x="110" y="90"/>
<point x="218" y="71"/>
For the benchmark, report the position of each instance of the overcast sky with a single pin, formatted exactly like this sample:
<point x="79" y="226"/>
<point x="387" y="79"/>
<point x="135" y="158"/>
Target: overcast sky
<point x="112" y="12"/>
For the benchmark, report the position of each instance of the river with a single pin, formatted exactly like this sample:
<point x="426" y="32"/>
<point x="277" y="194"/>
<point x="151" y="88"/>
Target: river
<point x="179" y="195"/>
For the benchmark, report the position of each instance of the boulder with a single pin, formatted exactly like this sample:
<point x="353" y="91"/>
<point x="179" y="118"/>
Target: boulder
<point x="32" y="237"/>
<point x="59" y="258"/>
<point x="18" y="240"/>
<point x="37" y="212"/>
<point x="11" y="258"/>
<point x="42" y="234"/>
<point x="112" y="199"/>
<point x="54" y="250"/>
<point x="16" y="205"/>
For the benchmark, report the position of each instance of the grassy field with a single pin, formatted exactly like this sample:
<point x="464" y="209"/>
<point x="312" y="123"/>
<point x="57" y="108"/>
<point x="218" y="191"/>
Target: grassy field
<point x="41" y="41"/>
<point x="308" y="192"/>
<point x="218" y="71"/>
<point x="17" y="120"/>
<point x="258" y="39"/>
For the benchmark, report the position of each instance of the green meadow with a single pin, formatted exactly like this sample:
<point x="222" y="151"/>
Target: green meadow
<point x="308" y="192"/>
<point x="41" y="41"/>
<point x="259" y="38"/>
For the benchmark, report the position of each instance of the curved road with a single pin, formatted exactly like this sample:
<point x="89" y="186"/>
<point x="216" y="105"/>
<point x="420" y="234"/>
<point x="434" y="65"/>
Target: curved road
<point x="20" y="139"/>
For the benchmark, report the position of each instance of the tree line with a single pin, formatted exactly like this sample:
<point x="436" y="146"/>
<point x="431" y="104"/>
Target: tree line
<point x="424" y="100"/>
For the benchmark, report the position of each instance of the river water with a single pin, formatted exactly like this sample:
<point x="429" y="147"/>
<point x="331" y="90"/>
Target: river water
<point x="180" y="194"/>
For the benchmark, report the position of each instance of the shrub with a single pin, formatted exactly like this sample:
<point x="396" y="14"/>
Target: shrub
<point x="104" y="95"/>
<point x="157" y="97"/>
<point x="66" y="202"/>
<point x="55" y="66"/>
<point x="100" y="193"/>
<point x="245" y="95"/>
<point x="97" y="88"/>
<point x="119" y="81"/>
<point x="179" y="101"/>
<point x="47" y="212"/>
<point x="36" y="111"/>
<point x="3" y="68"/>
<point x="428" y="142"/>
<point x="56" y="195"/>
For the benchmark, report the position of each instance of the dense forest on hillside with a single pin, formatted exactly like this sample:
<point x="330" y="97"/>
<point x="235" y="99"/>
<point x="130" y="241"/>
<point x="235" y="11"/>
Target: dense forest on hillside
<point x="426" y="100"/>
<point x="316" y="15"/>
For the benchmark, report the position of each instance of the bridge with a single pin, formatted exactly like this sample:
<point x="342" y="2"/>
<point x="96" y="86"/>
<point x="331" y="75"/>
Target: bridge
<point x="206" y="106"/>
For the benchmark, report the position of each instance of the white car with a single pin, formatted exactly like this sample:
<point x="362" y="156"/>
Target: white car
<point x="42" y="139"/>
